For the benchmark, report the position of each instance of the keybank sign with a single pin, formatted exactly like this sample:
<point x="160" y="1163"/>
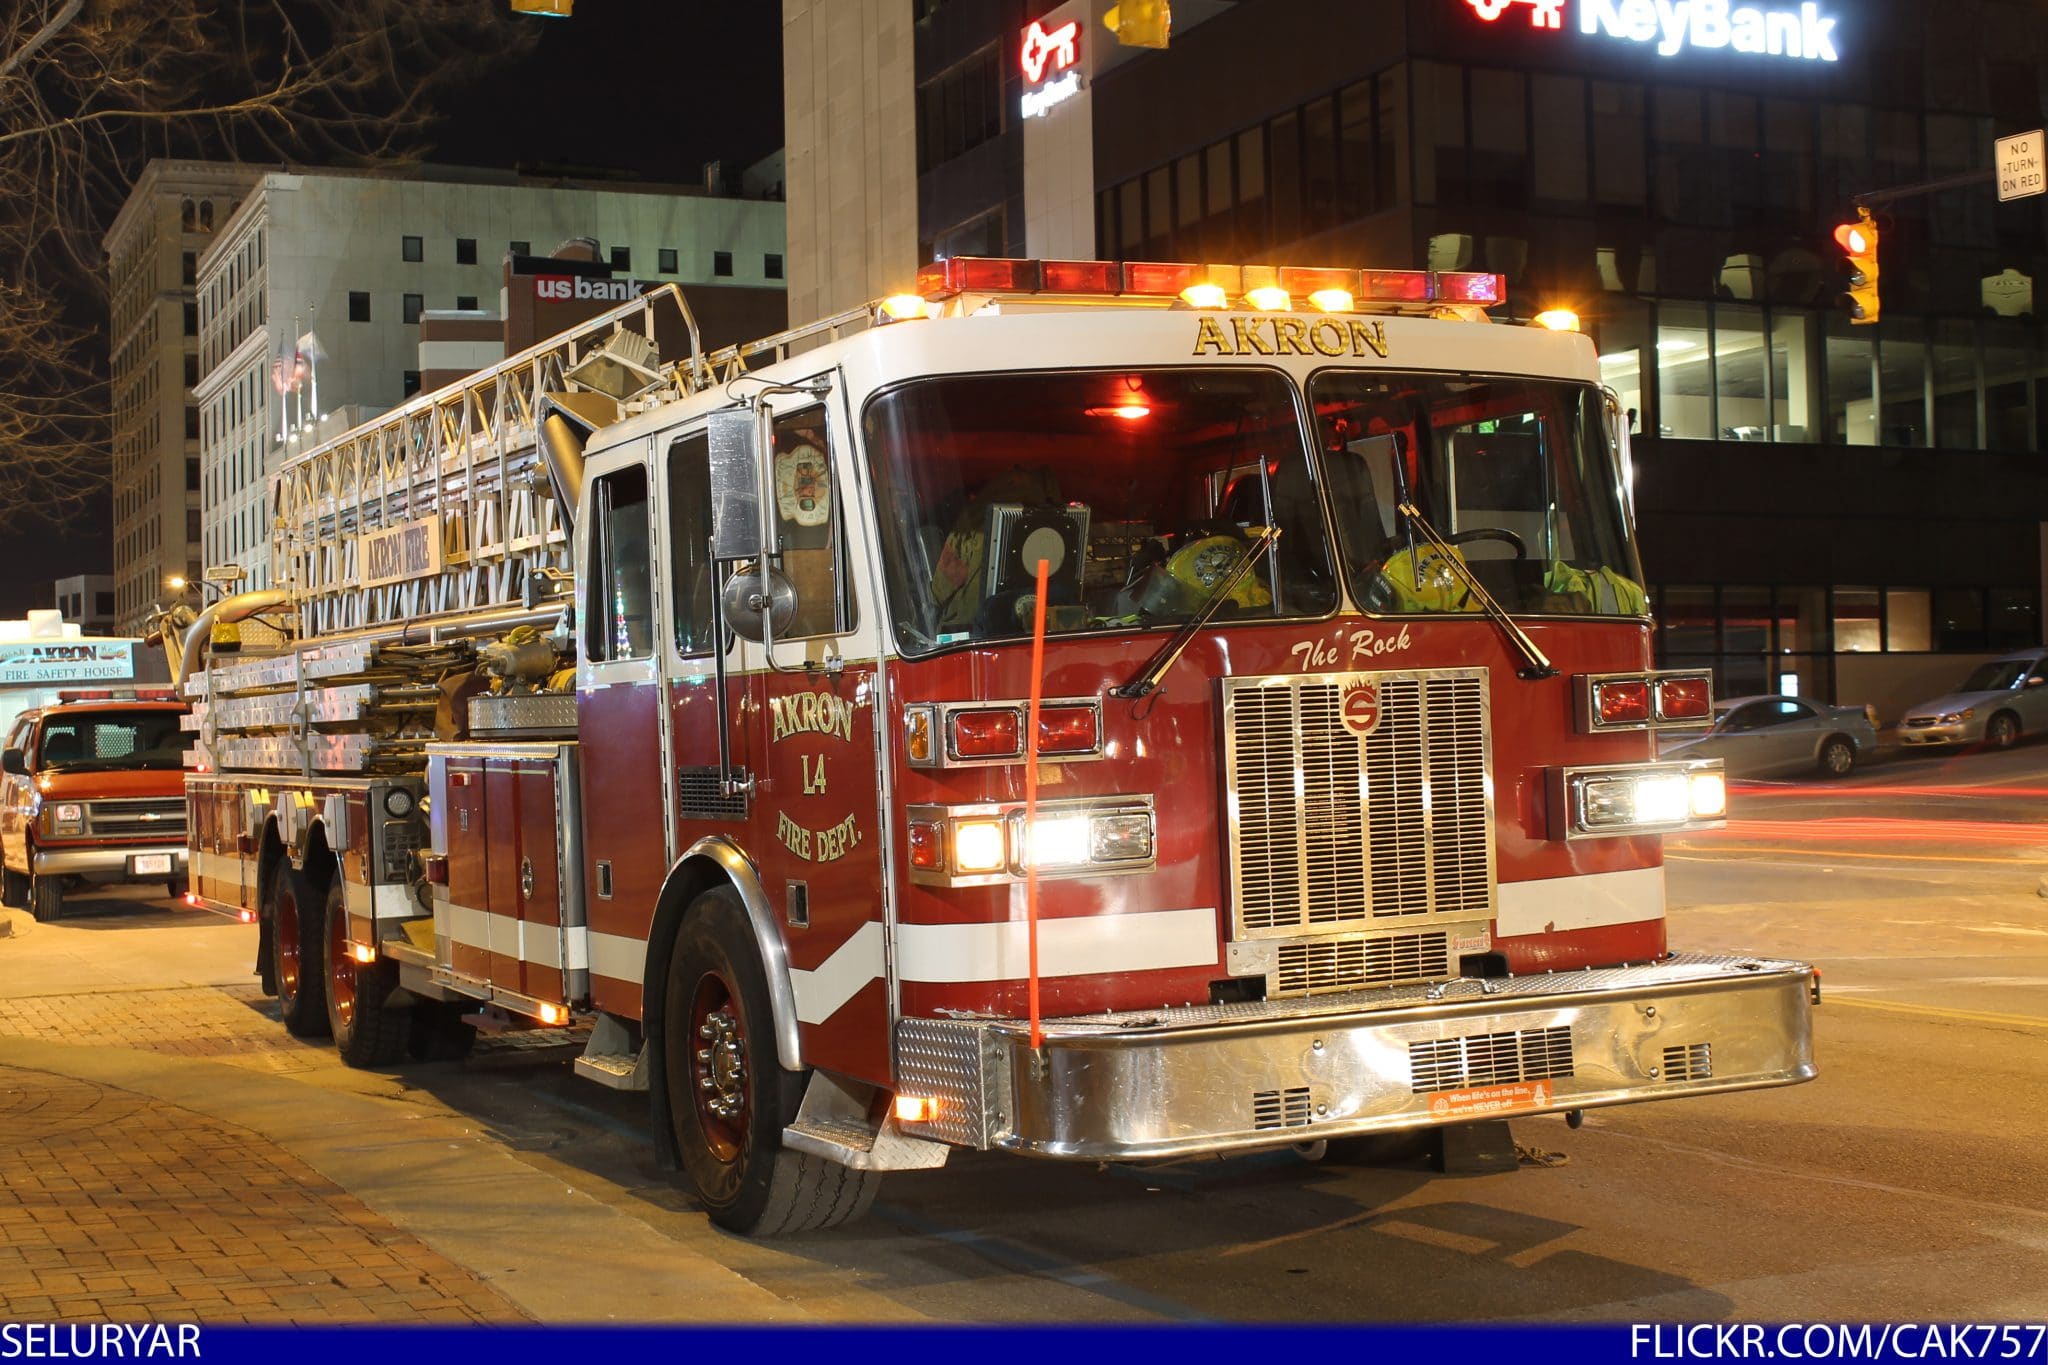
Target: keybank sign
<point x="1677" y="26"/>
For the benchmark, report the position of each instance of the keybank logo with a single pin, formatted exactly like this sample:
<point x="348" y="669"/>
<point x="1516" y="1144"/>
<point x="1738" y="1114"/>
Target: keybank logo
<point x="1676" y="26"/>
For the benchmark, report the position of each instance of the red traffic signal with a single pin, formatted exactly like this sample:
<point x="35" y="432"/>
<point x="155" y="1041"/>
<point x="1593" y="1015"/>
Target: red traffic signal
<point x="1849" y="237"/>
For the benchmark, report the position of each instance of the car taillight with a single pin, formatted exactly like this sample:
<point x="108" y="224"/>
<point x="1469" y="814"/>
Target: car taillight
<point x="927" y="848"/>
<point x="987" y="734"/>
<point x="1684" y="698"/>
<point x="1622" y="702"/>
<point x="1066" y="730"/>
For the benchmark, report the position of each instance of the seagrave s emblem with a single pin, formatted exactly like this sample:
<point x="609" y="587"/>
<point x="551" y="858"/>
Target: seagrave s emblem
<point x="1360" y="708"/>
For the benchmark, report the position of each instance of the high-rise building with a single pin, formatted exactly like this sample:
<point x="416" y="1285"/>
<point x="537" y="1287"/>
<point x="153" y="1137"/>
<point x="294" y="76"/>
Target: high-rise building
<point x="153" y="250"/>
<point x="311" y="296"/>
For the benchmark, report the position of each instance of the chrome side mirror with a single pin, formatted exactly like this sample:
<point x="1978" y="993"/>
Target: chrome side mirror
<point x="736" y="478"/>
<point x="751" y="608"/>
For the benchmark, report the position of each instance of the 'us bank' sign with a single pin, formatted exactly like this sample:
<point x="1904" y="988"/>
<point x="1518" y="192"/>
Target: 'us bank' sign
<point x="1676" y="26"/>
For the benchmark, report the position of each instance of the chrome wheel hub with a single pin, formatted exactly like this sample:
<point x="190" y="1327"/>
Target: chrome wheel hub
<point x="722" y="1065"/>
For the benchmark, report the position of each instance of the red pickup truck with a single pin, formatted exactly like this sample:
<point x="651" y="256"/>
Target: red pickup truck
<point x="92" y="791"/>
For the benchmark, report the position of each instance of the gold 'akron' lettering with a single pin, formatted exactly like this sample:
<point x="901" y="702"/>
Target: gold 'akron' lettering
<point x="810" y="713"/>
<point x="1291" y="336"/>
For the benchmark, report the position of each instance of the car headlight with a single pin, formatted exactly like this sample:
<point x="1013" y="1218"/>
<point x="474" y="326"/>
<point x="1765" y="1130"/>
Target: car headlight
<point x="1625" y="799"/>
<point x="64" y="817"/>
<point x="1957" y="717"/>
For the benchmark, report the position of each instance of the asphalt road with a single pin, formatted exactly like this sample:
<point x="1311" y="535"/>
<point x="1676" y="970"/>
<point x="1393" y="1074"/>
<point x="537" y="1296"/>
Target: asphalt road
<point x="1907" y="1182"/>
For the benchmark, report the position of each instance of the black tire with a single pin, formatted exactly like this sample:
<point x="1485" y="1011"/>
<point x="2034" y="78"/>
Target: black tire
<point x="367" y="1031"/>
<point x="1837" y="757"/>
<point x="14" y="889"/>
<point x="2002" y="731"/>
<point x="297" y="957"/>
<point x="437" y="1032"/>
<point x="175" y="889"/>
<point x="46" y="898"/>
<point x="728" y="1096"/>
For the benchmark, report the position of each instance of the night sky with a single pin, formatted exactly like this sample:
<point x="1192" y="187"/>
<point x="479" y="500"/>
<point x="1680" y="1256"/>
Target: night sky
<point x="654" y="88"/>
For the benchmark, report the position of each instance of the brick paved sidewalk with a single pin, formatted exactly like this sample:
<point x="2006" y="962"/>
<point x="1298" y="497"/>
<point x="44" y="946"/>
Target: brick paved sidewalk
<point x="115" y="1205"/>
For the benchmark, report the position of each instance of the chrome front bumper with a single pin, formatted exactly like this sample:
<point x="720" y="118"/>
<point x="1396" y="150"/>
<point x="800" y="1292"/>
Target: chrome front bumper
<point x="1215" y="1078"/>
<point x="105" y="862"/>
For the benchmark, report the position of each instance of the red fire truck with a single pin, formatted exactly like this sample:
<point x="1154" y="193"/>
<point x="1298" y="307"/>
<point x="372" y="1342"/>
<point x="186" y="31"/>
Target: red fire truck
<point x="1108" y="711"/>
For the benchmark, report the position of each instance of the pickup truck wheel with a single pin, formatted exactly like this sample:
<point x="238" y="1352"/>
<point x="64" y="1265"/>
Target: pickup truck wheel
<point x="296" y="955"/>
<point x="14" y="888"/>
<point x="366" y="1032"/>
<point x="175" y="889"/>
<point x="46" y="898"/>
<point x="728" y="1094"/>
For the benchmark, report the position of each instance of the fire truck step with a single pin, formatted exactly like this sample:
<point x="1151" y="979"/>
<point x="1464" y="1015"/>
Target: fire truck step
<point x="618" y="1070"/>
<point x="856" y="1143"/>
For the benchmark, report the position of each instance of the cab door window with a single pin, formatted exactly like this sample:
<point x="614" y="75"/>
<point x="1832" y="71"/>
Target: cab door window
<point x="619" y="603"/>
<point x="808" y="528"/>
<point x="689" y="521"/>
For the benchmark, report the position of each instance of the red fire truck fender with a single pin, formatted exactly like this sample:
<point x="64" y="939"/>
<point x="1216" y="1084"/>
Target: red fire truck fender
<point x="707" y="864"/>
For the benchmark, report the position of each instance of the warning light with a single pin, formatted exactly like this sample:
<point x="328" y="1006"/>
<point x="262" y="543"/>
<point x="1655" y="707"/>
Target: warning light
<point x="915" y="1109"/>
<point x="1204" y="296"/>
<point x="552" y="1014"/>
<point x="1858" y="241"/>
<point x="1558" y="319"/>
<point x="364" y="953"/>
<point x="246" y="916"/>
<point x="1269" y="298"/>
<point x="903" y="307"/>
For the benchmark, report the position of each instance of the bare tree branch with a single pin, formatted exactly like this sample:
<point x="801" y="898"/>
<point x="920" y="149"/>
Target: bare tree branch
<point x="91" y="90"/>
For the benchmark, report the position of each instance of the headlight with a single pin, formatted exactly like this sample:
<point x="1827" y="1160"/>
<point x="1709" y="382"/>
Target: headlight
<point x="1636" y="799"/>
<point x="65" y="817"/>
<point x="398" y="803"/>
<point x="975" y="845"/>
<point x="1957" y="717"/>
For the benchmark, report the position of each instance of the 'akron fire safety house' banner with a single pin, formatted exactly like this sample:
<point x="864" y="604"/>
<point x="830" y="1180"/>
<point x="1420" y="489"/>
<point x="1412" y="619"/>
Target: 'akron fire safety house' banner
<point x="63" y="661"/>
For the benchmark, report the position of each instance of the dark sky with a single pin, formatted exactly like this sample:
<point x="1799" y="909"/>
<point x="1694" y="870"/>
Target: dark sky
<point x="650" y="87"/>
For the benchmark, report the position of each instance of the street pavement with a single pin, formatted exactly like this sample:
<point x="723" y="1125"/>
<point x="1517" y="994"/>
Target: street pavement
<point x="166" y="1150"/>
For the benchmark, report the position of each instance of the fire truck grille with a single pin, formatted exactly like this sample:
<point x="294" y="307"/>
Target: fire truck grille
<point x="1530" y="1054"/>
<point x="1333" y="829"/>
<point x="1336" y="964"/>
<point x="143" y="819"/>
<point x="1281" y="1108"/>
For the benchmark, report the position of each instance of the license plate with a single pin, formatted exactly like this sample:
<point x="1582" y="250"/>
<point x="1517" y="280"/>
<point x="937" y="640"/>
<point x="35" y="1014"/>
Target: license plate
<point x="152" y="864"/>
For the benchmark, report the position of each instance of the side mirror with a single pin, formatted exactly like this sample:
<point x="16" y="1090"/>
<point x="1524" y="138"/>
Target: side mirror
<point x="746" y="603"/>
<point x="14" y="761"/>
<point x="736" y="476"/>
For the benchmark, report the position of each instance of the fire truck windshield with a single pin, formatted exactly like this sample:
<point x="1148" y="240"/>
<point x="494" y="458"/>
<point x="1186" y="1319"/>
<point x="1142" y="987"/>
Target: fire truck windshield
<point x="1516" y="474"/>
<point x="1139" y="491"/>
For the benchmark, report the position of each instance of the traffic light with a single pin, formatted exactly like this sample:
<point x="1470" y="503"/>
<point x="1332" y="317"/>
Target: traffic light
<point x="1858" y="241"/>
<point x="1140" y="23"/>
<point x="552" y="9"/>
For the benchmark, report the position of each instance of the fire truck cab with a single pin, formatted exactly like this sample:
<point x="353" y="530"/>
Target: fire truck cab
<point x="1084" y="710"/>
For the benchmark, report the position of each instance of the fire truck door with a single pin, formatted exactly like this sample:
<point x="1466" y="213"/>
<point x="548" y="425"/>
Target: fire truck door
<point x="702" y="805"/>
<point x="619" y="719"/>
<point x="811" y="731"/>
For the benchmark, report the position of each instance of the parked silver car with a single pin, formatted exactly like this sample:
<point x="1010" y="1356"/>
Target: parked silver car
<point x="1996" y="704"/>
<point x="1757" y="736"/>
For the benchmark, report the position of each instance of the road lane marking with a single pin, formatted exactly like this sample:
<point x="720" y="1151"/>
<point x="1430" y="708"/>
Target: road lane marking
<point x="1940" y="1012"/>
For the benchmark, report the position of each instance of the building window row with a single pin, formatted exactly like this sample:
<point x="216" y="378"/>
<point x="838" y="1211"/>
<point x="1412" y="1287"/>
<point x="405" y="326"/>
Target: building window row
<point x="1741" y="372"/>
<point x="960" y="108"/>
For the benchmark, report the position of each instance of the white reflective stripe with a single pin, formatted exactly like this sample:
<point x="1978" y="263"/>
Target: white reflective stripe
<point x="821" y="991"/>
<point x="540" y="944"/>
<point x="1556" y="904"/>
<point x="617" y="957"/>
<point x="387" y="900"/>
<point x="1082" y="945"/>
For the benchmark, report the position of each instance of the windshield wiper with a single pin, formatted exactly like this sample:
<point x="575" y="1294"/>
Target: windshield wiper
<point x="1536" y="664"/>
<point x="1148" y="678"/>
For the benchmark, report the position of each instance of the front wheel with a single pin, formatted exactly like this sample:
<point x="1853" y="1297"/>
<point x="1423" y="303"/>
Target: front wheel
<point x="46" y="898"/>
<point x="2002" y="731"/>
<point x="366" y="1032"/>
<point x="1837" y="758"/>
<point x="297" y="959"/>
<point x="13" y="889"/>
<point x="728" y="1095"/>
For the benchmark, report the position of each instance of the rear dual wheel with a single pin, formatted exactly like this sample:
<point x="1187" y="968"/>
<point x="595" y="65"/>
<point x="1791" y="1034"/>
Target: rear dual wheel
<point x="729" y="1097"/>
<point x="367" y="1030"/>
<point x="298" y="958"/>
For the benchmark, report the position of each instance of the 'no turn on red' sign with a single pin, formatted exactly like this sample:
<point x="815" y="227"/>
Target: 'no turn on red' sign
<point x="2021" y="170"/>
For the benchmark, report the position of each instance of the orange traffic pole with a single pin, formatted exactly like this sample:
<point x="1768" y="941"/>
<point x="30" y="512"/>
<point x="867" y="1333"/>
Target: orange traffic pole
<point x="1031" y="802"/>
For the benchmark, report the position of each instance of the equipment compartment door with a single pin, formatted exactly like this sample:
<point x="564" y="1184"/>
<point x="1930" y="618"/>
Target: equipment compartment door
<point x="467" y="831"/>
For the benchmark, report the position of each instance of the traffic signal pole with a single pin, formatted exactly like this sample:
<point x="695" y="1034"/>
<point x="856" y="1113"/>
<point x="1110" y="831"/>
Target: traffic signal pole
<point x="1950" y="182"/>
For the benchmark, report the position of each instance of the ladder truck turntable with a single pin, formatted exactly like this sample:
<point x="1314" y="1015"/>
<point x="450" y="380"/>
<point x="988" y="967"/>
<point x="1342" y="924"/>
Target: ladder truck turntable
<point x="1090" y="710"/>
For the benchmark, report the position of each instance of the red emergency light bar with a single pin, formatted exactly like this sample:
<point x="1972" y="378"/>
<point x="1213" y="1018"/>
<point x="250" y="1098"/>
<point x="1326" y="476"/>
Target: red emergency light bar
<point x="119" y="694"/>
<point x="1208" y="286"/>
